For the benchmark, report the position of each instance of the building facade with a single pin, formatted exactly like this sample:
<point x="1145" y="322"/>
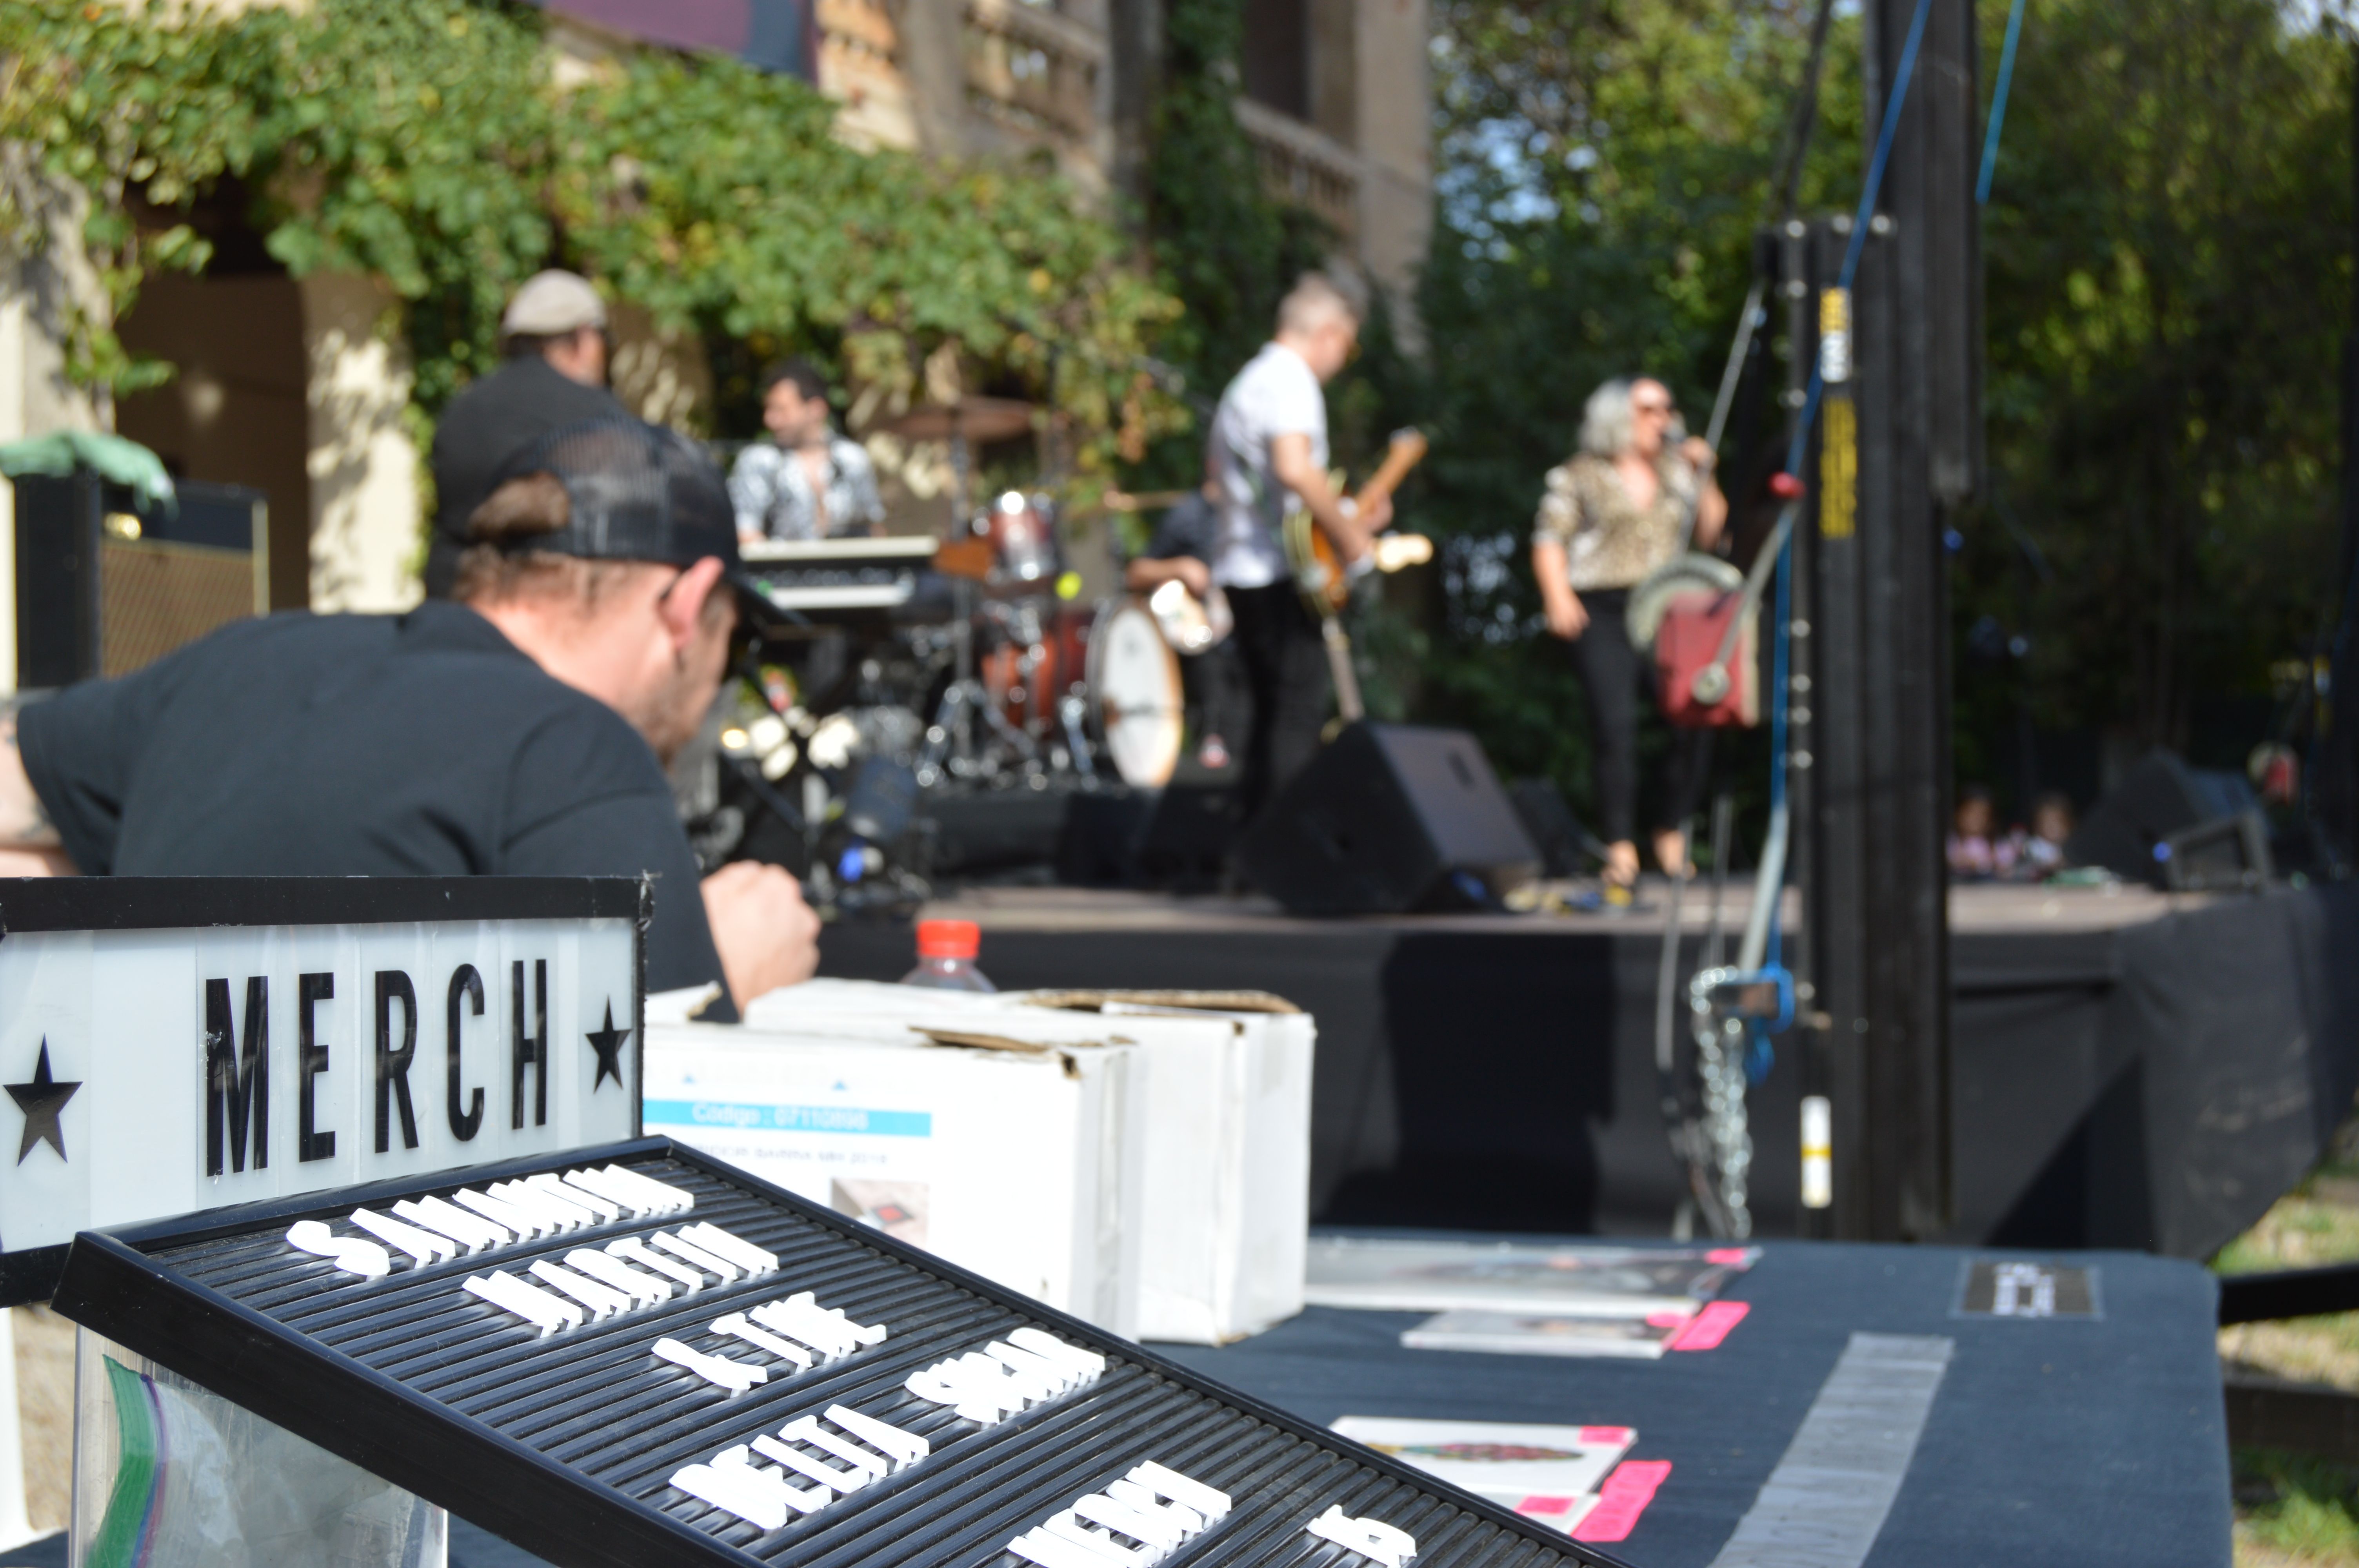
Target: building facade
<point x="310" y="409"/>
<point x="1335" y="98"/>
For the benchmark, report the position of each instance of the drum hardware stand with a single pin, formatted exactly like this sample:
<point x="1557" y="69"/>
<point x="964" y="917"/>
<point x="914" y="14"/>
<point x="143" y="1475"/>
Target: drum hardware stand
<point x="950" y="742"/>
<point x="1072" y="712"/>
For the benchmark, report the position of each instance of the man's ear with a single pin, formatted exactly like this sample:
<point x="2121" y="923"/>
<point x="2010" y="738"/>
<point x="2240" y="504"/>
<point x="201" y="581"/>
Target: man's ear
<point x="683" y="607"/>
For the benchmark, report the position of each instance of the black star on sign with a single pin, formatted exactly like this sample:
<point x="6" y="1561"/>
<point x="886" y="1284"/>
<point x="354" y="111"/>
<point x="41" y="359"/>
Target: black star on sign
<point x="608" y="1044"/>
<point x="42" y="1101"/>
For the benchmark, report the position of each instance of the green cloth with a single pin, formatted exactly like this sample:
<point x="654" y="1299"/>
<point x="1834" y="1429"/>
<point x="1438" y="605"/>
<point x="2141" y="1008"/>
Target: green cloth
<point x="126" y="463"/>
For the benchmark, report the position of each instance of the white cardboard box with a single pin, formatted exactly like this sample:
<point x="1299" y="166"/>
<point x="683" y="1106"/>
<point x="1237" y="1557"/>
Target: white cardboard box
<point x="1228" y="1170"/>
<point x="1027" y="1168"/>
<point x="1221" y="1150"/>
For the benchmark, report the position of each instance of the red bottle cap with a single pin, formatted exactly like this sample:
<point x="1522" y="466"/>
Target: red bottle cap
<point x="949" y="938"/>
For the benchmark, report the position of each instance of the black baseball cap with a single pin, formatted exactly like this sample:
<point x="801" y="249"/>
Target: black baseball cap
<point x="639" y="491"/>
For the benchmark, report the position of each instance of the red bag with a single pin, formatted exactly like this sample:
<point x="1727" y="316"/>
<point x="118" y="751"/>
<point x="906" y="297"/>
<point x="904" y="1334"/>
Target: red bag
<point x="1688" y="643"/>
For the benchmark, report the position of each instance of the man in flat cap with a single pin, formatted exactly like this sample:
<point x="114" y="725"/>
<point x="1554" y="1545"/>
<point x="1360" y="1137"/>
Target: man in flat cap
<point x="554" y="335"/>
<point x="520" y="730"/>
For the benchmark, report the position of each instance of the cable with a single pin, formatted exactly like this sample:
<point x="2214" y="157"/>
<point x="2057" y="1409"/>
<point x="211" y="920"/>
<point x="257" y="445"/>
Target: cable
<point x="1998" y="104"/>
<point x="1786" y="188"/>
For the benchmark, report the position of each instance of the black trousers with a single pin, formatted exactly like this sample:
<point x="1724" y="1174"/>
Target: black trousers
<point x="1617" y="679"/>
<point x="1283" y="661"/>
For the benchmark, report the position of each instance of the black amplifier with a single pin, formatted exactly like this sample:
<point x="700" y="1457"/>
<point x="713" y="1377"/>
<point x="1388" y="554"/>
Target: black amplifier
<point x="636" y="1355"/>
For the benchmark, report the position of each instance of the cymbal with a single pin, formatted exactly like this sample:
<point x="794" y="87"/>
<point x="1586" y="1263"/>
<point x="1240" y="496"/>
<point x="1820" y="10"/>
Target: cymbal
<point x="976" y="418"/>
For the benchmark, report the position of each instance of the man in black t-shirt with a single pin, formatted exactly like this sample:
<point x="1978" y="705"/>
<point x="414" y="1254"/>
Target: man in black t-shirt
<point x="554" y="335"/>
<point x="514" y="732"/>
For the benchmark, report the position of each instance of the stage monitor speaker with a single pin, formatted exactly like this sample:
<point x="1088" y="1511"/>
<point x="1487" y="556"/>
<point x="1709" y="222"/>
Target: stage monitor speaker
<point x="2171" y="826"/>
<point x="1566" y="846"/>
<point x="1389" y="818"/>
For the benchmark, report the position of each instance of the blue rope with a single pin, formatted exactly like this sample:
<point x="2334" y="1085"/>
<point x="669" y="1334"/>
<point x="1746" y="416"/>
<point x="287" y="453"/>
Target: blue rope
<point x="1860" y="221"/>
<point x="1998" y="104"/>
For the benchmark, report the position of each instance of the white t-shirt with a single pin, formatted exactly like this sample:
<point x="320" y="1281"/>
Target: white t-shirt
<point x="1275" y="395"/>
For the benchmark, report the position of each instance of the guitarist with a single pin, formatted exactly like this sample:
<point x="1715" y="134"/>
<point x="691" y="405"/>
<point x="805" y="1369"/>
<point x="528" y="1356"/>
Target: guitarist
<point x="1269" y="444"/>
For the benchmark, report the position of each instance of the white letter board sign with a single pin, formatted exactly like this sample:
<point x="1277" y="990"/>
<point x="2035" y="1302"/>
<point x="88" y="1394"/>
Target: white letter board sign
<point x="171" y="1045"/>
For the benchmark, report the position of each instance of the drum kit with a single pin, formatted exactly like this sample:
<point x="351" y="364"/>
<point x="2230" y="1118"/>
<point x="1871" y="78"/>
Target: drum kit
<point x="1000" y="676"/>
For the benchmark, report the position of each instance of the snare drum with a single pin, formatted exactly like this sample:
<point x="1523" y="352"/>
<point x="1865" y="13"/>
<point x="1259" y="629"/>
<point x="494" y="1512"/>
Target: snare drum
<point x="1134" y="695"/>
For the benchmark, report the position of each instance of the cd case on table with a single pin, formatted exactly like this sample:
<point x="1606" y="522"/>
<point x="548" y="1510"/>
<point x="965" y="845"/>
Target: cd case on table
<point x="1548" y="1333"/>
<point x="1519" y="1278"/>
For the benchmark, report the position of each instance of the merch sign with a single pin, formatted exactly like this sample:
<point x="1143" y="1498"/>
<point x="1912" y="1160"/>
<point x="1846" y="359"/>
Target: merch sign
<point x="171" y="1045"/>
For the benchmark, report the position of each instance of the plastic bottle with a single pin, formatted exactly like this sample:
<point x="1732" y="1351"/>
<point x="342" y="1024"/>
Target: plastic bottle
<point x="946" y="950"/>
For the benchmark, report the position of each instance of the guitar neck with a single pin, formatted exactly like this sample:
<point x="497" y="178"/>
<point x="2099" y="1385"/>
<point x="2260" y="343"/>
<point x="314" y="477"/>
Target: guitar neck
<point x="1404" y="456"/>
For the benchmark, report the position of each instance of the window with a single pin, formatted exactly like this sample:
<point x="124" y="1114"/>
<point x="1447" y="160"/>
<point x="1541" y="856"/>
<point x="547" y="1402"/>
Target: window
<point x="1277" y="55"/>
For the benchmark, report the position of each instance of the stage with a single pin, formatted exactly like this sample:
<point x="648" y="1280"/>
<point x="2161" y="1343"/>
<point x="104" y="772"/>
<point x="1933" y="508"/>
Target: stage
<point x="2129" y="1068"/>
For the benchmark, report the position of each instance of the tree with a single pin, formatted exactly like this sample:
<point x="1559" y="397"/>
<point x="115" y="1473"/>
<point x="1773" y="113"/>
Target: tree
<point x="2168" y="273"/>
<point x="426" y="142"/>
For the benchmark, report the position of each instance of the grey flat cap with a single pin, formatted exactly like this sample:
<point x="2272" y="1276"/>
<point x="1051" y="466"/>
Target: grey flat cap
<point x="551" y="303"/>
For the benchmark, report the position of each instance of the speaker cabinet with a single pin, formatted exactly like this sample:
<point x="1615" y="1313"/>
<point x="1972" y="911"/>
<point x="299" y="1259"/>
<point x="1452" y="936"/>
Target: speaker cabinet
<point x="1389" y="818"/>
<point x="107" y="584"/>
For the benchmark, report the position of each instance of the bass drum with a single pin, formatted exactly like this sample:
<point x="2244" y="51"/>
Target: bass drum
<point x="1134" y="695"/>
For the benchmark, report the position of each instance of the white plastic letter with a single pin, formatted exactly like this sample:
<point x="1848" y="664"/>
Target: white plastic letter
<point x="1372" y="1539"/>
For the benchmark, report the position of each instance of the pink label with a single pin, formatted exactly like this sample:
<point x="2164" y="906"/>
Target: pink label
<point x="1622" y="1498"/>
<point x="1710" y="1326"/>
<point x="1545" y="1508"/>
<point x="1611" y="1436"/>
<point x="1732" y="1256"/>
<point x="1667" y="1319"/>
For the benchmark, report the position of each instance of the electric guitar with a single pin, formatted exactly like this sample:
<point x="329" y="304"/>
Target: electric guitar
<point x="1319" y="574"/>
<point x="1325" y="582"/>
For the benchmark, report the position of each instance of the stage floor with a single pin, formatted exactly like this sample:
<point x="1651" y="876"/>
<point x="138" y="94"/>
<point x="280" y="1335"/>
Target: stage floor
<point x="2129" y="1067"/>
<point x="1973" y="907"/>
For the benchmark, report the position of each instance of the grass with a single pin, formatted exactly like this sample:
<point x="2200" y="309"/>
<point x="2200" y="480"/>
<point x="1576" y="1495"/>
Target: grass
<point x="2317" y="1223"/>
<point x="2294" y="1510"/>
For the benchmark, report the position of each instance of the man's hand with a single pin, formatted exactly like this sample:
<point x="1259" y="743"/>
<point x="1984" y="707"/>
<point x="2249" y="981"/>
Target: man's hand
<point x="1289" y="461"/>
<point x="29" y="842"/>
<point x="766" y="934"/>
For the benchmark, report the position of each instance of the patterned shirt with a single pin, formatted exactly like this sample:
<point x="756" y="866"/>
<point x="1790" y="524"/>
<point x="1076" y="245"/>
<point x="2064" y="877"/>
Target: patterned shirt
<point x="771" y="491"/>
<point x="1609" y="542"/>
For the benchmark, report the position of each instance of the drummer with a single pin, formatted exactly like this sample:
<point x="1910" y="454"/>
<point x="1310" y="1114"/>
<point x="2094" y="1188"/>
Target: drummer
<point x="808" y="482"/>
<point x="1182" y="551"/>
